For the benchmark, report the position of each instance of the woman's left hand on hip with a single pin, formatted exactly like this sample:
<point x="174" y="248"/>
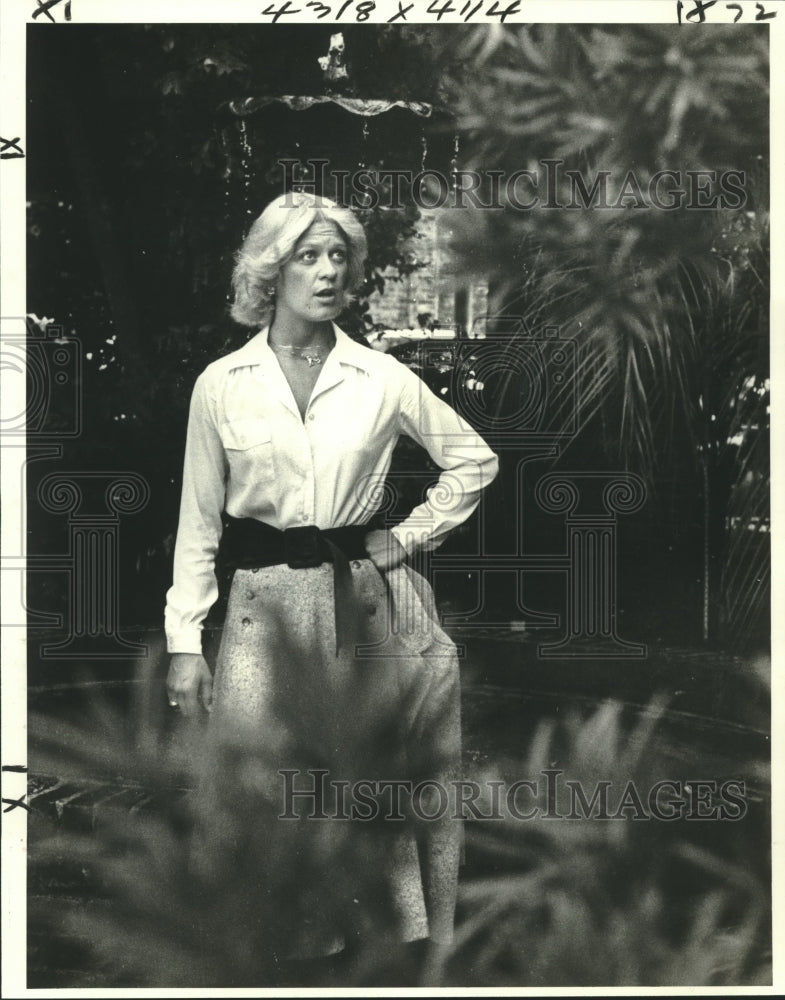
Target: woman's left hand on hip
<point x="384" y="550"/>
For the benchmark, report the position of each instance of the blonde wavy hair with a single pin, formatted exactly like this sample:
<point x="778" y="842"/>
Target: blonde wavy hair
<point x="270" y="244"/>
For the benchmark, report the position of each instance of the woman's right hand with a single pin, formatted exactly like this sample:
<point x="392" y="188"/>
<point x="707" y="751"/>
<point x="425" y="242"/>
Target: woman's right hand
<point x="188" y="678"/>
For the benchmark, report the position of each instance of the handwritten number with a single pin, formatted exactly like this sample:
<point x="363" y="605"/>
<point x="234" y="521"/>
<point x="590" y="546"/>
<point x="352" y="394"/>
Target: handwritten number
<point x="365" y="9"/>
<point x="446" y="8"/>
<point x="277" y="13"/>
<point x="321" y="9"/>
<point x="436" y="8"/>
<point x="699" y="10"/>
<point x="701" y="6"/>
<point x="762" y="15"/>
<point x="472" y="12"/>
<point x="512" y="8"/>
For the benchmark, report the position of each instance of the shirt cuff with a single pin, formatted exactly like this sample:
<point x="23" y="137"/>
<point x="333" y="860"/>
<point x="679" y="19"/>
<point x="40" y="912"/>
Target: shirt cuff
<point x="187" y="640"/>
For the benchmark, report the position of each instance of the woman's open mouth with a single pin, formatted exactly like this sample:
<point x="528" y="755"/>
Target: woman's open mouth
<point x="326" y="295"/>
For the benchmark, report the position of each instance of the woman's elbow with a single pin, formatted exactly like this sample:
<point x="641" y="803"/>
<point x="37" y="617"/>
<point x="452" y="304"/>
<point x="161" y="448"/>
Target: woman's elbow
<point x="491" y="470"/>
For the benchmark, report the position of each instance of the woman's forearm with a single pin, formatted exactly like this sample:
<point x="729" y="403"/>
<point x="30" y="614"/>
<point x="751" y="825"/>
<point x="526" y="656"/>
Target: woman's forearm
<point x="194" y="588"/>
<point x="468" y="467"/>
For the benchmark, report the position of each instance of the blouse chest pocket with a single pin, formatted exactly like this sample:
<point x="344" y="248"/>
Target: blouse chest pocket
<point x="249" y="448"/>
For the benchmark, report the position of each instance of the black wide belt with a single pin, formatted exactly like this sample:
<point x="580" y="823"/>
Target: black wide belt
<point x="250" y="544"/>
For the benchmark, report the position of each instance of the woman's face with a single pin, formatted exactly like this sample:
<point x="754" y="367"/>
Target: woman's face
<point x="312" y="283"/>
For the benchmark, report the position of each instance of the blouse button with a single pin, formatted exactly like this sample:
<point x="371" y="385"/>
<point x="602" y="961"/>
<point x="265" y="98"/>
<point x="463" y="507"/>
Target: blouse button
<point x="371" y="609"/>
<point x="246" y="621"/>
<point x="310" y="416"/>
<point x="250" y="595"/>
<point x="356" y="564"/>
<point x="255" y="569"/>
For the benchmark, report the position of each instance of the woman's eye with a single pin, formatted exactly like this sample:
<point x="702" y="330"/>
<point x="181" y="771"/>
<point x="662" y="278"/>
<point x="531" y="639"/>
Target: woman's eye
<point x="310" y="256"/>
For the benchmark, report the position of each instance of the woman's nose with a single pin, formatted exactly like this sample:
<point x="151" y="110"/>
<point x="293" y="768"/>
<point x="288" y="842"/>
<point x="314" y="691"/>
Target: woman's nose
<point x="328" y="268"/>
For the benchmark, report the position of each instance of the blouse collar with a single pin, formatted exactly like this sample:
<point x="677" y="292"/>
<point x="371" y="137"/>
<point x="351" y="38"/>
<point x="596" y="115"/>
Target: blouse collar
<point x="258" y="352"/>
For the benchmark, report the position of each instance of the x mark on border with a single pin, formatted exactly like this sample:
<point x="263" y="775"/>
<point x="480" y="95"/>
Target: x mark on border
<point x="44" y="5"/>
<point x="10" y="144"/>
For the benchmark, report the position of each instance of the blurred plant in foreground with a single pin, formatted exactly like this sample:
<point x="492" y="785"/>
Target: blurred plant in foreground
<point x="627" y="901"/>
<point x="543" y="902"/>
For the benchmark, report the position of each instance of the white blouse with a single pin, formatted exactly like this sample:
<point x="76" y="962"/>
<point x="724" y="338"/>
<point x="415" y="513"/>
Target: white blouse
<point x="249" y="452"/>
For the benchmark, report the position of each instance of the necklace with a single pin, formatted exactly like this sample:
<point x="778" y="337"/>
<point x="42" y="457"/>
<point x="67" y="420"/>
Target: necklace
<point x="308" y="353"/>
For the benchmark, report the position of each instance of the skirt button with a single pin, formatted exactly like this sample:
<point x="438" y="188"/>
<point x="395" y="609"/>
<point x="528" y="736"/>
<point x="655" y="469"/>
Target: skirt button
<point x="356" y="564"/>
<point x="250" y="595"/>
<point x="246" y="621"/>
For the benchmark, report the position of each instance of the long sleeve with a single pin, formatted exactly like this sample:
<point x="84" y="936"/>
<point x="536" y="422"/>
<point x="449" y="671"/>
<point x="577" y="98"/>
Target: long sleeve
<point x="468" y="466"/>
<point x="195" y="587"/>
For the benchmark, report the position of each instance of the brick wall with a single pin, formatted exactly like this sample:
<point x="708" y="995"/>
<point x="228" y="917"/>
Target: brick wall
<point x="431" y="288"/>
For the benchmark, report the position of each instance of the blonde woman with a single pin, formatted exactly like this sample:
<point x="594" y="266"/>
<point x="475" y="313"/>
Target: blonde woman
<point x="331" y="649"/>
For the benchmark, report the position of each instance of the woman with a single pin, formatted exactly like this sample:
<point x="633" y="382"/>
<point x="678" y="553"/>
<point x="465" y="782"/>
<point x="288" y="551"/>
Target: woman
<point x="331" y="653"/>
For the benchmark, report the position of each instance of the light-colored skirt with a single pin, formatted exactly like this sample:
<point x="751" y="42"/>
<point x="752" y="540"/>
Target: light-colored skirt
<point x="356" y="752"/>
